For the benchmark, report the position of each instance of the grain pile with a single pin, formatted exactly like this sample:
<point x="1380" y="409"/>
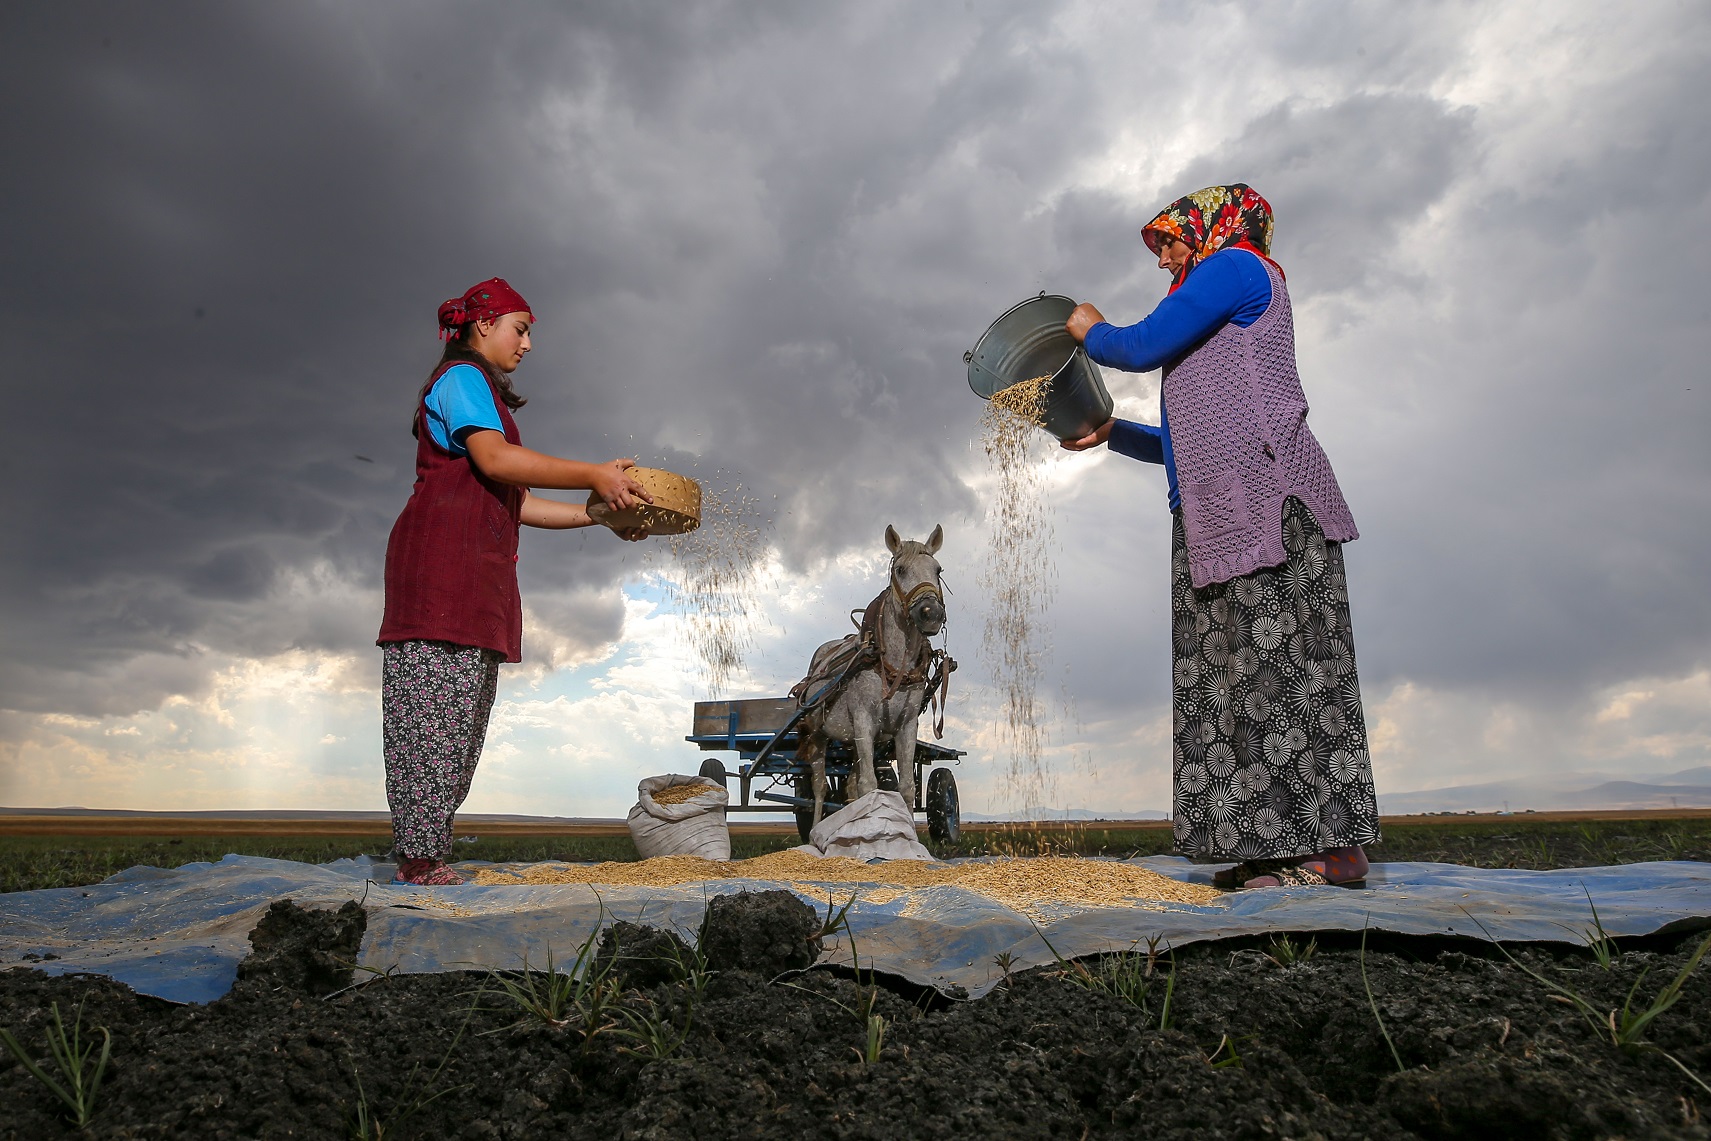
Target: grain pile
<point x="681" y="793"/>
<point x="1017" y="578"/>
<point x="1023" y="885"/>
<point x="1026" y="399"/>
<point x="712" y="575"/>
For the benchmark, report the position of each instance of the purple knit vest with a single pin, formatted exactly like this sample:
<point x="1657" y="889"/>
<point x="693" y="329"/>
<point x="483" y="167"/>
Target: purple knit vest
<point x="1238" y="431"/>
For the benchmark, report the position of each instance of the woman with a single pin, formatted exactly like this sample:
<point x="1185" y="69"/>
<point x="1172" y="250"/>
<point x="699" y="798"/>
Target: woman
<point x="1269" y="747"/>
<point x="453" y="612"/>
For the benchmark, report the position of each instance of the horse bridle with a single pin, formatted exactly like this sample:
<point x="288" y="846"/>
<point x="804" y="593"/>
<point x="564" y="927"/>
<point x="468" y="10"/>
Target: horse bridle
<point x="920" y="589"/>
<point x="916" y="592"/>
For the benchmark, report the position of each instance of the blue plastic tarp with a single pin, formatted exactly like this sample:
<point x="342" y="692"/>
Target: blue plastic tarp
<point x="180" y="934"/>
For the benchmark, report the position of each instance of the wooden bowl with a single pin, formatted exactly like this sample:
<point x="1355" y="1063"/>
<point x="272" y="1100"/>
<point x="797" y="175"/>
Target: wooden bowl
<point x="676" y="508"/>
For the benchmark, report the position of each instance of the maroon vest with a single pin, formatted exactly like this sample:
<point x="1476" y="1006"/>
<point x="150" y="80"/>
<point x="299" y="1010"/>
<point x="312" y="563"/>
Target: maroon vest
<point x="451" y="563"/>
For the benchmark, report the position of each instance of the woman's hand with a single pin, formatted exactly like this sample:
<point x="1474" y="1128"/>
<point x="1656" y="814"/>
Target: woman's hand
<point x="1094" y="438"/>
<point x="615" y="488"/>
<point x="597" y="513"/>
<point x="1082" y="318"/>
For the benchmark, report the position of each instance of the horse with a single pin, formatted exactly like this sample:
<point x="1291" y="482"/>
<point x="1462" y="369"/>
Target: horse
<point x="882" y="696"/>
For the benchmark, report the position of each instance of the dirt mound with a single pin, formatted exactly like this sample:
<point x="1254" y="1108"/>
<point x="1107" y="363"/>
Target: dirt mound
<point x="306" y="952"/>
<point x="639" y="956"/>
<point x="1219" y="1041"/>
<point x="768" y="932"/>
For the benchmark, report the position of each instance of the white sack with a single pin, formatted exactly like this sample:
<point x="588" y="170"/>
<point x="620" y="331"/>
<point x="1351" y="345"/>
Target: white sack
<point x="876" y="826"/>
<point x="694" y="828"/>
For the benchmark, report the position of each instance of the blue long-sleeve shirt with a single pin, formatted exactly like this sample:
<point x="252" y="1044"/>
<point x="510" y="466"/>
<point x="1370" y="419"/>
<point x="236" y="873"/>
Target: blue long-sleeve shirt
<point x="1230" y="287"/>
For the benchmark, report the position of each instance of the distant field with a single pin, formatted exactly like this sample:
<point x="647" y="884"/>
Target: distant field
<point x="39" y="852"/>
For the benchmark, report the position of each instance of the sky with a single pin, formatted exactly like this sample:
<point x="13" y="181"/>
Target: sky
<point x="758" y="239"/>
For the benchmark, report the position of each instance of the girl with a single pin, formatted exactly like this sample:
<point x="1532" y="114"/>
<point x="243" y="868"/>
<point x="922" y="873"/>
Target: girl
<point x="452" y="608"/>
<point x="1269" y="749"/>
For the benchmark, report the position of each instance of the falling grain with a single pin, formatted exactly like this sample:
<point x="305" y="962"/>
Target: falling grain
<point x="711" y="576"/>
<point x="1017" y="580"/>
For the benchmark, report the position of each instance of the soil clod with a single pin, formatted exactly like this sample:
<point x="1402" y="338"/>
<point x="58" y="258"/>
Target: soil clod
<point x="767" y="932"/>
<point x="639" y="956"/>
<point x="299" y="951"/>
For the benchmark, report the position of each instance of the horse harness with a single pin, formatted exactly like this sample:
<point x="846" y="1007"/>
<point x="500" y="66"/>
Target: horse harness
<point x="866" y="651"/>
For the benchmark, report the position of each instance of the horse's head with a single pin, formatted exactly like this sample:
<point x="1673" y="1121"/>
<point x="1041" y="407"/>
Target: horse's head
<point x="915" y="579"/>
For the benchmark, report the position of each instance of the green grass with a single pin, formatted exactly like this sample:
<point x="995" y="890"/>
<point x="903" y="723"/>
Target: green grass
<point x="29" y="862"/>
<point x="79" y="1079"/>
<point x="1514" y="843"/>
<point x="1522" y="843"/>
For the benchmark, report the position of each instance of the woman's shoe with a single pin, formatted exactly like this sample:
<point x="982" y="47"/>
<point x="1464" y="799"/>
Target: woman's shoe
<point x="1267" y="873"/>
<point x="426" y="873"/>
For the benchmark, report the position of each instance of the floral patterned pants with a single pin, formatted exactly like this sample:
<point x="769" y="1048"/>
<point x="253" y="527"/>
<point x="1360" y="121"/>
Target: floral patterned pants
<point x="1268" y="746"/>
<point x="434" y="701"/>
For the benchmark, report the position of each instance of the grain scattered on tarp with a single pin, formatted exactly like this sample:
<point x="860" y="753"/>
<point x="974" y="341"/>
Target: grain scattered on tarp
<point x="1021" y="884"/>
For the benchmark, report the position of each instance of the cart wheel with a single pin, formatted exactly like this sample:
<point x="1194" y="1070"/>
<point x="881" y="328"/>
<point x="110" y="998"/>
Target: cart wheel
<point x="804" y="786"/>
<point x="944" y="810"/>
<point x="714" y="769"/>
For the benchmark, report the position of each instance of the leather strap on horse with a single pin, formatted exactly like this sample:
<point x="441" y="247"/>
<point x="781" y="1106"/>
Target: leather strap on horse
<point x="919" y="672"/>
<point x="930" y="669"/>
<point x="938" y="693"/>
<point x="839" y="666"/>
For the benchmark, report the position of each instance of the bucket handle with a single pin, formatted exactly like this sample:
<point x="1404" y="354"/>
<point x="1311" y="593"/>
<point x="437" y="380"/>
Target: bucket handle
<point x="968" y="357"/>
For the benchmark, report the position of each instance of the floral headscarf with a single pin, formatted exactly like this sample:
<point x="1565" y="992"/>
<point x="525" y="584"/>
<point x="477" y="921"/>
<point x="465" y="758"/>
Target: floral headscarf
<point x="1217" y="218"/>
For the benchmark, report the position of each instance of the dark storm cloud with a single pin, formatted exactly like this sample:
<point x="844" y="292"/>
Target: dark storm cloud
<point x="1345" y="180"/>
<point x="242" y="219"/>
<point x="246" y="217"/>
<point x="759" y="240"/>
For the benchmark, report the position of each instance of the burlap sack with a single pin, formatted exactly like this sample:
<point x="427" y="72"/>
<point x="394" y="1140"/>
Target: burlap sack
<point x="695" y="827"/>
<point x="876" y="826"/>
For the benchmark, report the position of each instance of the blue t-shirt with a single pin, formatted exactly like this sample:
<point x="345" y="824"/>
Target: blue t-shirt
<point x="1230" y="287"/>
<point x="460" y="403"/>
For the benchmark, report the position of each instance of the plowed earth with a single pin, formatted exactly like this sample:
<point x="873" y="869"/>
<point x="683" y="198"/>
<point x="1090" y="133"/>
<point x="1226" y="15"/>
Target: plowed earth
<point x="1250" y="1048"/>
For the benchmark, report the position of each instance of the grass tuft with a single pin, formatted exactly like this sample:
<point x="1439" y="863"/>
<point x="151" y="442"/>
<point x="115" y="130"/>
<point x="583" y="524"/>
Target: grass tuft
<point x="1128" y="975"/>
<point x="867" y="995"/>
<point x="1285" y="952"/>
<point x="1373" y="1003"/>
<point x="79" y="1080"/>
<point x="1625" y="1028"/>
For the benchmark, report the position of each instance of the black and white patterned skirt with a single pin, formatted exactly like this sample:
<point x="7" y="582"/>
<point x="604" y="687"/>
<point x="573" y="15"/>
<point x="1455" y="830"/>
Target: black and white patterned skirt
<point x="1269" y="748"/>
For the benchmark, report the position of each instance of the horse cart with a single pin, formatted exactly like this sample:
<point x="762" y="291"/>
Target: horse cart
<point x="764" y="734"/>
<point x="862" y="692"/>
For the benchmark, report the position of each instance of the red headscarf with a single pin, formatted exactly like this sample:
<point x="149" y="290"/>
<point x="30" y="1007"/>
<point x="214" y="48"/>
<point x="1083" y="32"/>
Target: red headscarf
<point x="1217" y="218"/>
<point x="488" y="301"/>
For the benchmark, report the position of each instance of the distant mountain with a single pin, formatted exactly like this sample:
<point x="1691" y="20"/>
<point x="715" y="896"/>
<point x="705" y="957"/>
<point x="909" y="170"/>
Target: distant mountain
<point x="1689" y="788"/>
<point x="1700" y="775"/>
<point x="1065" y="814"/>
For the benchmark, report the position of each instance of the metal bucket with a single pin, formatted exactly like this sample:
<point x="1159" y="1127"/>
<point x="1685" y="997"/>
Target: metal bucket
<point x="1029" y="340"/>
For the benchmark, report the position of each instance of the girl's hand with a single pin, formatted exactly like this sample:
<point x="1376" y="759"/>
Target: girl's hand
<point x="597" y="513"/>
<point x="618" y="490"/>
<point x="1094" y="438"/>
<point x="1082" y="318"/>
